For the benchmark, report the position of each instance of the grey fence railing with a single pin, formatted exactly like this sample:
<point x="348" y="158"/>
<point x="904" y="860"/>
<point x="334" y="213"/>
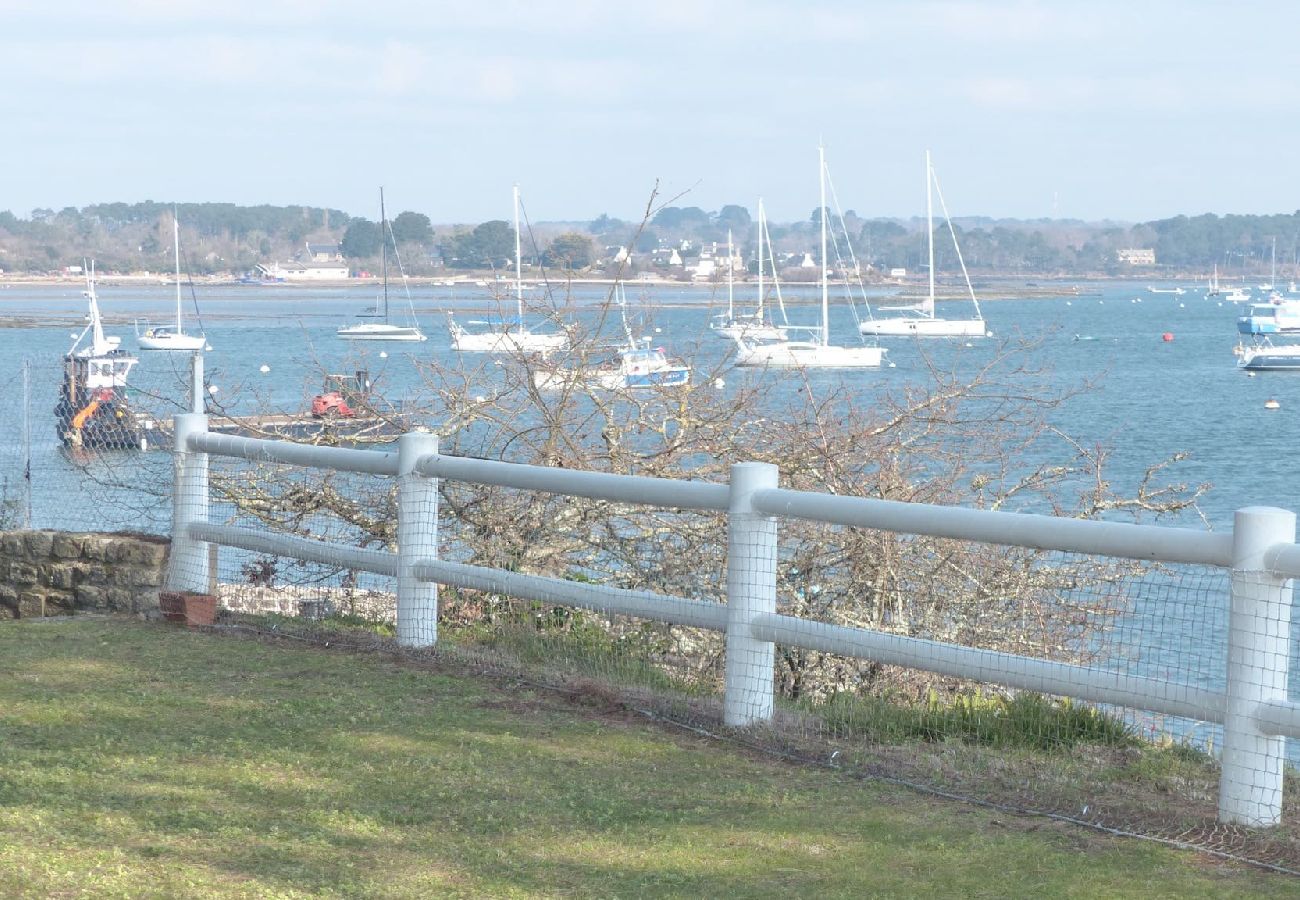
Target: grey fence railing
<point x="1260" y="552"/>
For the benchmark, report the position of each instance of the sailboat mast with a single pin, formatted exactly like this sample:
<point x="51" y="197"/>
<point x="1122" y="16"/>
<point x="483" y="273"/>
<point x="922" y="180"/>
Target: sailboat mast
<point x="929" y="227"/>
<point x="730" y="277"/>
<point x="383" y="251"/>
<point x="821" y="214"/>
<point x="760" y="260"/>
<point x="519" y="265"/>
<point x="176" y="247"/>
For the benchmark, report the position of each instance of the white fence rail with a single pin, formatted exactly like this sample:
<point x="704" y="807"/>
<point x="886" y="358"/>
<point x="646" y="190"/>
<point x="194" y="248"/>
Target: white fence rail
<point x="1260" y="552"/>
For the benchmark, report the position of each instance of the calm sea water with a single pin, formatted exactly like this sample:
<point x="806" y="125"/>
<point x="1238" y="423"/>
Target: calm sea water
<point x="1142" y="395"/>
<point x="1145" y="398"/>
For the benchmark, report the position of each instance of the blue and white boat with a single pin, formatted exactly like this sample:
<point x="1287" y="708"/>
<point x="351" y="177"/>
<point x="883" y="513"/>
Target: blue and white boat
<point x="1268" y="357"/>
<point x="1276" y="317"/>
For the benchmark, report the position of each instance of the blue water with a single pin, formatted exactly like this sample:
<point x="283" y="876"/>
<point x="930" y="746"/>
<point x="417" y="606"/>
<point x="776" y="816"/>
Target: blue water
<point x="1143" y="397"/>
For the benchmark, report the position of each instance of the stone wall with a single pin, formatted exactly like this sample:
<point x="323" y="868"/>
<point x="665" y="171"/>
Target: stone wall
<point x="50" y="573"/>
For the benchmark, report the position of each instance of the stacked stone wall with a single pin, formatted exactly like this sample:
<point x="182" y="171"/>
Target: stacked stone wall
<point x="51" y="573"/>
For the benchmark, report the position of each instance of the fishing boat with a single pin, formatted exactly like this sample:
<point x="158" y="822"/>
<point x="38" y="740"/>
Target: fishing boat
<point x="753" y="325"/>
<point x="1266" y="356"/>
<point x="505" y="335"/>
<point x="820" y="352"/>
<point x="385" y="330"/>
<point x="92" y="411"/>
<point x="1275" y="317"/>
<point x="636" y="364"/>
<point x="924" y="322"/>
<point x="167" y="337"/>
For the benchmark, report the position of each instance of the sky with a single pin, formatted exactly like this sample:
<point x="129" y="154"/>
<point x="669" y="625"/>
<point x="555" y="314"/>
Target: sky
<point x="1091" y="110"/>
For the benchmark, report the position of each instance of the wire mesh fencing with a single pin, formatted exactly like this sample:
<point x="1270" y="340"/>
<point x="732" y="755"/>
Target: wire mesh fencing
<point x="1018" y="677"/>
<point x="80" y="459"/>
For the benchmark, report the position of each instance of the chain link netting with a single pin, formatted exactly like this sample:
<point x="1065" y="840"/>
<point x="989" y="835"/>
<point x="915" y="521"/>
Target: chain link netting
<point x="80" y="460"/>
<point x="1110" y="765"/>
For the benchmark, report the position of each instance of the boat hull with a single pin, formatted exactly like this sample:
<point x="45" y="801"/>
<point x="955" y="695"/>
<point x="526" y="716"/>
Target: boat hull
<point x="1272" y="318"/>
<point x="675" y="376"/>
<point x="506" y="341"/>
<point x="171" y="342"/>
<point x="807" y="355"/>
<point x="750" y="330"/>
<point x="1272" y="359"/>
<point x="924" y="327"/>
<point x="377" y="332"/>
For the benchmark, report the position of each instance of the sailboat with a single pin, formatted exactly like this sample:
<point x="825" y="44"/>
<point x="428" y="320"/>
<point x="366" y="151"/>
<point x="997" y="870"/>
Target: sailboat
<point x="753" y="325"/>
<point x="166" y="337"/>
<point x="1272" y="270"/>
<point x="502" y="335"/>
<point x="1214" y="283"/>
<point x="92" y="410"/>
<point x="818" y="353"/>
<point x="925" y="323"/>
<point x="638" y="364"/>
<point x="385" y="330"/>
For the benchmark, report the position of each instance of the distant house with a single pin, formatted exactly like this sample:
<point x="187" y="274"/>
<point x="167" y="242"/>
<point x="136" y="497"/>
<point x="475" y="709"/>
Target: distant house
<point x="1137" y="256"/>
<point x="898" y="272"/>
<point x="307" y="271"/>
<point x="704" y="269"/>
<point x="324" y="252"/>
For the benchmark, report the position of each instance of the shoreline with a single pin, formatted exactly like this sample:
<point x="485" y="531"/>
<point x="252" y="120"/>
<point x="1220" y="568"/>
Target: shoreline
<point x="987" y="289"/>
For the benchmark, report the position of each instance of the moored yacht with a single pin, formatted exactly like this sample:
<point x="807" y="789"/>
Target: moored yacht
<point x="1266" y="356"/>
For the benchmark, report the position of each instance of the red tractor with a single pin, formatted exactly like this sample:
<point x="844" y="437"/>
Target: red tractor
<point x="344" y="397"/>
<point x="331" y="405"/>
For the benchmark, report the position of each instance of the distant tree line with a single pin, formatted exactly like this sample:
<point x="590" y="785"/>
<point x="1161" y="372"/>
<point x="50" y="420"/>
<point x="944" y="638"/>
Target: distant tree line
<point x="225" y="237"/>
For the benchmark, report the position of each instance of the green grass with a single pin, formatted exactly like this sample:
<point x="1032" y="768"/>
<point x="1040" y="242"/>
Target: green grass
<point x="1023" y="721"/>
<point x="139" y="760"/>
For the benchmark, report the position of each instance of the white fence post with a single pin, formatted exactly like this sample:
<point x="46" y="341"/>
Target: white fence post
<point x="751" y="591"/>
<point x="1259" y="635"/>
<point x="187" y="570"/>
<point x="417" y="539"/>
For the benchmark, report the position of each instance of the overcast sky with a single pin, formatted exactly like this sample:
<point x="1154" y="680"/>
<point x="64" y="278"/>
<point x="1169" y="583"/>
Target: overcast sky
<point x="1123" y="110"/>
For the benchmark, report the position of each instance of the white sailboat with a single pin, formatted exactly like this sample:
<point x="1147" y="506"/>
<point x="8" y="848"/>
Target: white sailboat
<point x="167" y="337"/>
<point x="925" y="323"/>
<point x="637" y="364"/>
<point x="819" y="353"/>
<point x="1272" y="270"/>
<point x="502" y="335"/>
<point x="385" y="330"/>
<point x="753" y="325"/>
<point x="1214" y="283"/>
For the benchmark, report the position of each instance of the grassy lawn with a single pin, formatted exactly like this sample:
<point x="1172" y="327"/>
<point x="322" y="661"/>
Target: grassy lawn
<point x="140" y="760"/>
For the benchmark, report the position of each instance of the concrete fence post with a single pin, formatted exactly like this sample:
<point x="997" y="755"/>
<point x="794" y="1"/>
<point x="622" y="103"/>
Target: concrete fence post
<point x="751" y="590"/>
<point x="1259" y="635"/>
<point x="187" y="569"/>
<point x="417" y="539"/>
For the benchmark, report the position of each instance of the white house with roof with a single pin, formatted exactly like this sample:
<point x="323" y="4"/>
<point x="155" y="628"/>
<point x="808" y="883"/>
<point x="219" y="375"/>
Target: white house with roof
<point x="324" y="252"/>
<point x="306" y="271"/>
<point x="1137" y="256"/>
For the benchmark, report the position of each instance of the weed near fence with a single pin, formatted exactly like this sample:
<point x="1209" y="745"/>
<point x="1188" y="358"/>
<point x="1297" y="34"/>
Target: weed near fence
<point x="144" y="760"/>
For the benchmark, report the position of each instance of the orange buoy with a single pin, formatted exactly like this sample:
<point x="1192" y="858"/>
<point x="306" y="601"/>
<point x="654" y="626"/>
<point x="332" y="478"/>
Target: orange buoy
<point x="1167" y="336"/>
